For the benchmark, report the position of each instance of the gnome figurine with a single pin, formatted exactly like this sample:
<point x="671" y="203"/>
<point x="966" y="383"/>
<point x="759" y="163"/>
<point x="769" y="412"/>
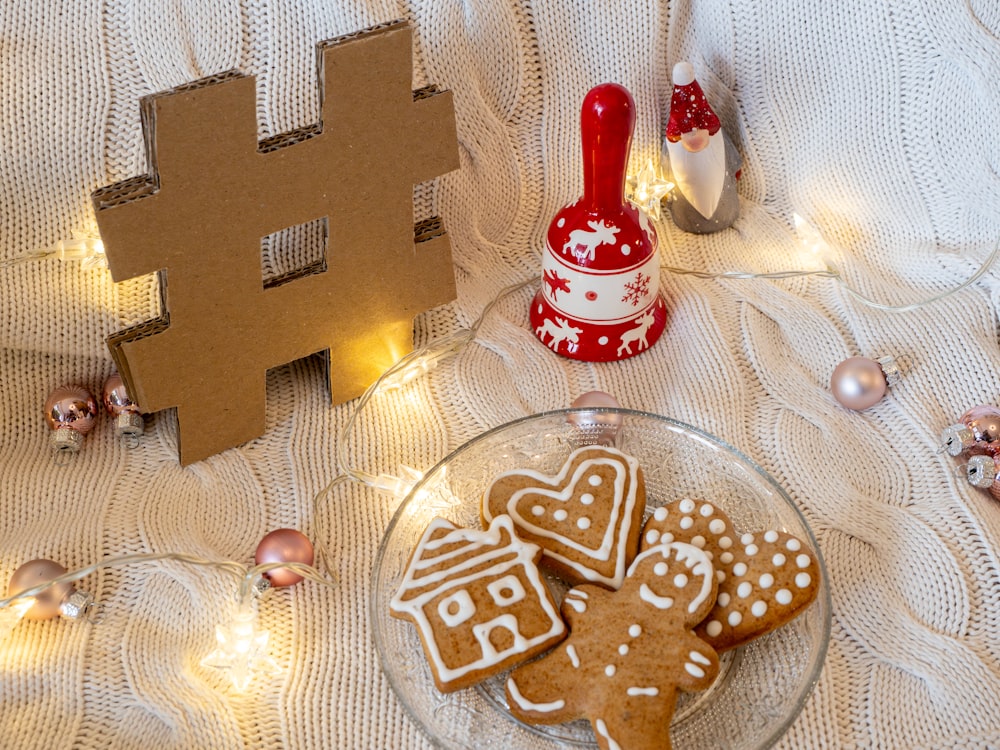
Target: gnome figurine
<point x="699" y="159"/>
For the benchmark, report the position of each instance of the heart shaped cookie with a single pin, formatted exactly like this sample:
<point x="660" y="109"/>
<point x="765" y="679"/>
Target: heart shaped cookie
<point x="586" y="518"/>
<point x="765" y="579"/>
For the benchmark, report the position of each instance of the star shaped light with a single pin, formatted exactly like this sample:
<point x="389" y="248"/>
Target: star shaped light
<point x="11" y="615"/>
<point x="242" y="650"/>
<point x="647" y="189"/>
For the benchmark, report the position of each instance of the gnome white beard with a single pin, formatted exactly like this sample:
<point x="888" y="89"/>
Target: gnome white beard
<point x="700" y="176"/>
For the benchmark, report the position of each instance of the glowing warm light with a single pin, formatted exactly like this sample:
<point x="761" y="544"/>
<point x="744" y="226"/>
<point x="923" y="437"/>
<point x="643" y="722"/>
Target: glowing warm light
<point x="86" y="248"/>
<point x="810" y="239"/>
<point x="242" y="650"/>
<point x="647" y="189"/>
<point x="12" y="614"/>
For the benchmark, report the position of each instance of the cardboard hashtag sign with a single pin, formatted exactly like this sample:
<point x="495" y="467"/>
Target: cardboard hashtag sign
<point x="214" y="192"/>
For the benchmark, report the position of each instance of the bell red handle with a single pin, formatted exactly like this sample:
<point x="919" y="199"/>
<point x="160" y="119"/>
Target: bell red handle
<point x="607" y="120"/>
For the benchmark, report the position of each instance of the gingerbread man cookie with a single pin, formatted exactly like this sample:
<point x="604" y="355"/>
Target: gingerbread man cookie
<point x="628" y="652"/>
<point x="765" y="579"/>
<point x="586" y="519"/>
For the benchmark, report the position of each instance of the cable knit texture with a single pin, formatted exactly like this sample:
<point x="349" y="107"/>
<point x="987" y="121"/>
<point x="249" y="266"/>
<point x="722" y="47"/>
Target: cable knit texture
<point x="875" y="120"/>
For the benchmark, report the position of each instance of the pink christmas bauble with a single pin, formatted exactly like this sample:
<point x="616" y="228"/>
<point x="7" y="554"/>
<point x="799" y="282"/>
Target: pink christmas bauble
<point x="983" y="422"/>
<point x="858" y="382"/>
<point x="115" y="397"/>
<point x="72" y="407"/>
<point x="284" y="545"/>
<point x="35" y="573"/>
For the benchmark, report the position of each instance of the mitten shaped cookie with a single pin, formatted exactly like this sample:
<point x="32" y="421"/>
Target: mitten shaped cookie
<point x="628" y="652"/>
<point x="586" y="518"/>
<point x="477" y="600"/>
<point x="765" y="579"/>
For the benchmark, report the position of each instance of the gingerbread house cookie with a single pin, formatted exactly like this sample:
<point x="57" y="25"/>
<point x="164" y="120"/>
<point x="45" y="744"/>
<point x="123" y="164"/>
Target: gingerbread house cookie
<point x="477" y="600"/>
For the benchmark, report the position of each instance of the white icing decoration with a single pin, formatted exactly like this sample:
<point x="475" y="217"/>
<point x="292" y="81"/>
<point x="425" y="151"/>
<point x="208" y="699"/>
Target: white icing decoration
<point x="636" y="691"/>
<point x="634" y="630"/>
<point x="726" y="557"/>
<point x="770" y="536"/>
<point x="744" y="590"/>
<point x="735" y="618"/>
<point x="687" y="522"/>
<point x="456" y="608"/>
<point x="583" y="523"/>
<point x="694" y="670"/>
<point x="802" y="561"/>
<point x="574" y="658"/>
<point x="713" y="628"/>
<point x="660" y="514"/>
<point x="680" y="580"/>
<point x="576" y="604"/>
<point x="802" y="580"/>
<point x="784" y="596"/>
<point x="794" y="545"/>
<point x="686" y="505"/>
<point x="506" y="591"/>
<point x="740" y="569"/>
<point x="661" y="568"/>
<point x="766" y="581"/>
<point x="594" y="480"/>
<point x="602" y="729"/>
<point x="717" y="526"/>
<point x="527" y="705"/>
<point x="666" y="537"/>
<point x="723" y="599"/>
<point x="699" y="657"/>
<point x="537" y="510"/>
<point x="698" y="541"/>
<point x="560" y="515"/>
<point x="610" y="670"/>
<point x="660" y="602"/>
<point x="725" y="542"/>
<point x="652" y="536"/>
<point x="586" y="498"/>
<point x="623" y="649"/>
<point x="759" y="608"/>
<point x="720" y="575"/>
<point x="694" y="559"/>
<point x="751" y="550"/>
<point x="746" y="539"/>
<point x="778" y="560"/>
<point x="706" y="510"/>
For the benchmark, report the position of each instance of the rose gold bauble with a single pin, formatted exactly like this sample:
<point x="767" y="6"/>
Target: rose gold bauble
<point x="284" y="545"/>
<point x="602" y="426"/>
<point x="984" y="423"/>
<point x="858" y="382"/>
<point x="35" y="573"/>
<point x="71" y="412"/>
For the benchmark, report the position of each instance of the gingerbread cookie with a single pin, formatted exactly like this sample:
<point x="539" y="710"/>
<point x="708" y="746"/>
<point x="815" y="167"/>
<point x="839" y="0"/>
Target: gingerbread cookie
<point x="477" y="600"/>
<point x="587" y="518"/>
<point x="628" y="652"/>
<point x="765" y="579"/>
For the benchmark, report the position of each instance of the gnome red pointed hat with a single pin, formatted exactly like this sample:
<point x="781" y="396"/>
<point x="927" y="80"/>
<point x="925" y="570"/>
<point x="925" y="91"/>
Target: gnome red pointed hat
<point x="689" y="110"/>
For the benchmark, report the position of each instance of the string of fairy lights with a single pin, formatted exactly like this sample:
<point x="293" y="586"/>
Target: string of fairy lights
<point x="43" y="589"/>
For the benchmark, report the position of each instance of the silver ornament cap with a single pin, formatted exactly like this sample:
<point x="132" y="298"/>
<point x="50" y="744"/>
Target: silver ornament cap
<point x="76" y="605"/>
<point x="981" y="471"/>
<point x="956" y="439"/>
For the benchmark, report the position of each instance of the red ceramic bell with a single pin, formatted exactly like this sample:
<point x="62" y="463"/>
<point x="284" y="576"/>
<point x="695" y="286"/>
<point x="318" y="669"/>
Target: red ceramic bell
<point x="600" y="298"/>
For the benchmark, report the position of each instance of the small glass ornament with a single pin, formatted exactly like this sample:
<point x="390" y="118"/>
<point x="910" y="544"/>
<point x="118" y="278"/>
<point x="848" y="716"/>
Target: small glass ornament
<point x="284" y="545"/>
<point x="126" y="414"/>
<point x="58" y="600"/>
<point x="859" y="382"/>
<point x="596" y="427"/>
<point x="600" y="297"/>
<point x="976" y="432"/>
<point x="71" y="412"/>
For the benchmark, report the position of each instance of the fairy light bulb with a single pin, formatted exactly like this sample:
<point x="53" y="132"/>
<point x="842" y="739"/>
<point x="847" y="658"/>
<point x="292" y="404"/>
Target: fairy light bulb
<point x="241" y="649"/>
<point x="71" y="412"/>
<point x="12" y="614"/>
<point x="56" y="600"/>
<point x="284" y="545"/>
<point x="123" y="410"/>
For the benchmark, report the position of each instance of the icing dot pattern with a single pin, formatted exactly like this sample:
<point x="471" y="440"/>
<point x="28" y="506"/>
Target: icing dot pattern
<point x="765" y="577"/>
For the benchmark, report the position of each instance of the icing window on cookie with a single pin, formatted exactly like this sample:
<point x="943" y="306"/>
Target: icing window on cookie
<point x="506" y="591"/>
<point x="456" y="608"/>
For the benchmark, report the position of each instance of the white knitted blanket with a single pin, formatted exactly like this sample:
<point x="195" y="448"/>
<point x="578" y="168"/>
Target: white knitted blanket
<point x="876" y="121"/>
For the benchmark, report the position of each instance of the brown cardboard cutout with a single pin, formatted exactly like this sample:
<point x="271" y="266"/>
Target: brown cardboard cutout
<point x="214" y="192"/>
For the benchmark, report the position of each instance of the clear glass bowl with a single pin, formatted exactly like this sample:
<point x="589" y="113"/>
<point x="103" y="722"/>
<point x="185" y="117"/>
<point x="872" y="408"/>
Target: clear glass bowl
<point x="761" y="687"/>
